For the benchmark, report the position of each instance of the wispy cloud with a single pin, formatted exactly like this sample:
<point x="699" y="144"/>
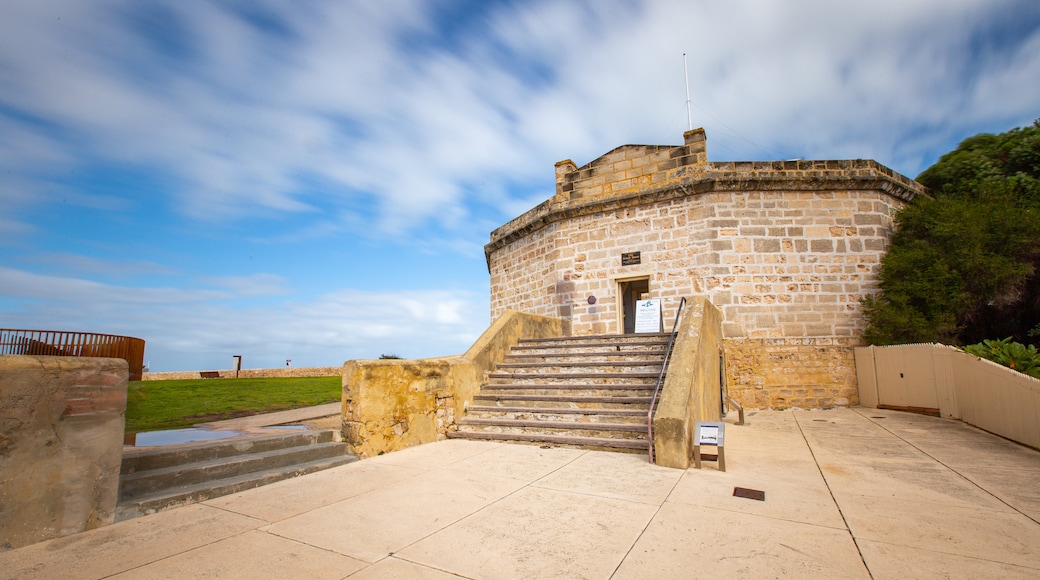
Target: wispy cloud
<point x="150" y="151"/>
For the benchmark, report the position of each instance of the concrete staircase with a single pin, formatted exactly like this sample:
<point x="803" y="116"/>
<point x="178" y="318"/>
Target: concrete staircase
<point x="591" y="392"/>
<point x="154" y="479"/>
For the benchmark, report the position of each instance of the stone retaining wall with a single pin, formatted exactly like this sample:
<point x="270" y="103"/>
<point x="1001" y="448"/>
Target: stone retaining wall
<point x="780" y="373"/>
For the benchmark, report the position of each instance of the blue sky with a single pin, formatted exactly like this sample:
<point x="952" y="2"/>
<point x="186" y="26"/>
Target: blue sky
<point x="315" y="180"/>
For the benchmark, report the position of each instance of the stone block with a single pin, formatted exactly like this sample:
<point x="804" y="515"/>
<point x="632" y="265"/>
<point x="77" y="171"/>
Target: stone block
<point x="61" y="445"/>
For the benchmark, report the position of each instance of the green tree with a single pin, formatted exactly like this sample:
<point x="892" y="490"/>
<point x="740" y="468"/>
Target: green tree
<point x="964" y="263"/>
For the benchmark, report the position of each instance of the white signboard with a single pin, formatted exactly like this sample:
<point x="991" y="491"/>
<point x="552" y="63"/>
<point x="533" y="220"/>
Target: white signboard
<point x="648" y="316"/>
<point x="709" y="435"/>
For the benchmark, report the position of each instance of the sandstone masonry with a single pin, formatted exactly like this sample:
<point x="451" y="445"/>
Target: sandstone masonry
<point x="785" y="250"/>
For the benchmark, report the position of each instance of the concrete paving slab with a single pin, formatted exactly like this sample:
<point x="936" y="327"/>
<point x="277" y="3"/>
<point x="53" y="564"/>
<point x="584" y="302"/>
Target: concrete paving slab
<point x="1019" y="489"/>
<point x="626" y="476"/>
<point x="249" y="556"/>
<point x="793" y="499"/>
<point x="439" y="454"/>
<point x="714" y="543"/>
<point x="538" y="533"/>
<point x="105" y="551"/>
<point x="936" y="508"/>
<point x="911" y="481"/>
<point x="1005" y="536"/>
<point x="278" y="501"/>
<point x="524" y="462"/>
<point x="375" y="524"/>
<point x="397" y="569"/>
<point x="794" y="465"/>
<point x="890" y="561"/>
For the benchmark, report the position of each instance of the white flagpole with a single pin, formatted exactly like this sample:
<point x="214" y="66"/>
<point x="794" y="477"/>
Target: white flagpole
<point x="686" y="71"/>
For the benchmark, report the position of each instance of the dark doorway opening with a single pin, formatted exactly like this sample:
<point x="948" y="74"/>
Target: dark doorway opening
<point x="630" y="291"/>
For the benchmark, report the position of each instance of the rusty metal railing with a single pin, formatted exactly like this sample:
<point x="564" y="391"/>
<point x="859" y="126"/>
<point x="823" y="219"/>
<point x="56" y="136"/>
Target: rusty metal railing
<point x="63" y="343"/>
<point x="660" y="380"/>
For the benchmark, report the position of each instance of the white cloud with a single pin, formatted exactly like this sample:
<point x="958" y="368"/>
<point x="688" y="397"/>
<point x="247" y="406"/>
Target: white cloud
<point x="187" y="330"/>
<point x="365" y="118"/>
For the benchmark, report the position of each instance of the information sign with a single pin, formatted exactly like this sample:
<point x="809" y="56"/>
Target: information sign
<point x="711" y="433"/>
<point x="648" y="315"/>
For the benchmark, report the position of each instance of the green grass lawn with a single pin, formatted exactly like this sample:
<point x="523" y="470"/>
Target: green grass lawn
<point x="155" y="405"/>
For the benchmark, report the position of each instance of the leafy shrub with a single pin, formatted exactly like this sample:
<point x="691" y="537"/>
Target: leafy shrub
<point x="1014" y="355"/>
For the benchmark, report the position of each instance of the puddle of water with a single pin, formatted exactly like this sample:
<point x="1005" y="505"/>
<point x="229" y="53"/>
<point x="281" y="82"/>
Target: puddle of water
<point x="175" y="437"/>
<point x="291" y="427"/>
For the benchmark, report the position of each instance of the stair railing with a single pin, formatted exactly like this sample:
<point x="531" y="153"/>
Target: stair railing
<point x="660" y="380"/>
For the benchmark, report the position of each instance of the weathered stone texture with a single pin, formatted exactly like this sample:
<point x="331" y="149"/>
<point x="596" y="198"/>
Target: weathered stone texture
<point x="61" y="444"/>
<point x="394" y="404"/>
<point x="784" y="373"/>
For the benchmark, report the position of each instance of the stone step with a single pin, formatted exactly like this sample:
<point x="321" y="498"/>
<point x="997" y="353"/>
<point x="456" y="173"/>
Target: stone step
<point x="556" y="413"/>
<point x="583" y="428"/>
<point x="589" y="367"/>
<point x="583" y="349"/>
<point x="149" y="458"/>
<point x="570" y="386"/>
<point x="595" y="356"/>
<point x="596" y="376"/>
<point x="184" y="495"/>
<point x="155" y="480"/>
<point x="575" y="401"/>
<point x="160" y="477"/>
<point x="613" y="340"/>
<point x="631" y="445"/>
<point x="591" y="392"/>
<point x="533" y="391"/>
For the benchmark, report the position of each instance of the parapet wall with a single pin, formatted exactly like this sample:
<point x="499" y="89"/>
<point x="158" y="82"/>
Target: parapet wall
<point x="691" y="390"/>
<point x="61" y="444"/>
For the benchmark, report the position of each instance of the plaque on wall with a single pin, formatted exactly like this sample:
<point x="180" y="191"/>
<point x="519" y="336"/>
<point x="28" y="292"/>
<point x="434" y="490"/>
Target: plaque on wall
<point x="630" y="258"/>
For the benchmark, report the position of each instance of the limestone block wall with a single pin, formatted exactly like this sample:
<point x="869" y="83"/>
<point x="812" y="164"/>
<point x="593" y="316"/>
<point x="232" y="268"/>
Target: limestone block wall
<point x="779" y="373"/>
<point x="394" y="404"/>
<point x="778" y="264"/>
<point x="61" y="444"/>
<point x="785" y="250"/>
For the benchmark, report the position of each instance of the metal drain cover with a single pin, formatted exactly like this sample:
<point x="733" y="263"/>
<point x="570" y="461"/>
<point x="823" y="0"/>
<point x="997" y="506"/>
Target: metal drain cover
<point x="749" y="493"/>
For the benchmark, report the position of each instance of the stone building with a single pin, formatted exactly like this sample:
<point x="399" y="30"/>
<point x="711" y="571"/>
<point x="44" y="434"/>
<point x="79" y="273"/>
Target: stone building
<point x="785" y="249"/>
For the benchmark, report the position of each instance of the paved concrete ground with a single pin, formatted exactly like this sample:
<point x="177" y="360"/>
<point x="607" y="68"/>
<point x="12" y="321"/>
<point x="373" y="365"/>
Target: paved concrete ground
<point x="851" y="493"/>
<point x="253" y="423"/>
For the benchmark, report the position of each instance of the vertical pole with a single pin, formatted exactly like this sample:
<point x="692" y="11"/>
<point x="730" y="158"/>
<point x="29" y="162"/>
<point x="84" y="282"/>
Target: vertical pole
<point x="686" y="73"/>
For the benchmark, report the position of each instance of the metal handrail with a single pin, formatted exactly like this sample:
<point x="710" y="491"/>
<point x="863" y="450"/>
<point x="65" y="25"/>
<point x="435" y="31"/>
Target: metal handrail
<point x="660" y="380"/>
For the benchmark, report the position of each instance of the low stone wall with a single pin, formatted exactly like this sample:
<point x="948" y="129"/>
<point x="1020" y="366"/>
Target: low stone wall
<point x="394" y="404"/>
<point x="247" y="373"/>
<point x="61" y="444"/>
<point x="691" y="390"/>
<point x="781" y="373"/>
